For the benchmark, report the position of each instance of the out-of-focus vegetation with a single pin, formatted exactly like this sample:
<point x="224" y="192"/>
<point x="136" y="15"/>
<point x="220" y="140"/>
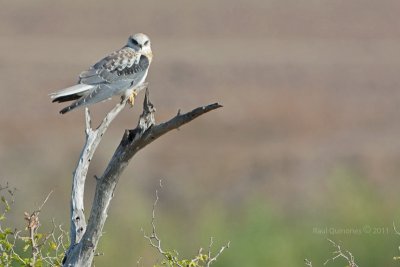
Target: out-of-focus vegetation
<point x="257" y="230"/>
<point x="260" y="232"/>
<point x="28" y="246"/>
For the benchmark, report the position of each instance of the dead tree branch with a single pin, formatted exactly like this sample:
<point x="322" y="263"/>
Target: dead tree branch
<point x="93" y="138"/>
<point x="85" y="237"/>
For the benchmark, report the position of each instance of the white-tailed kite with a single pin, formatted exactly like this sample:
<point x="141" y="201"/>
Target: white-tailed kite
<point x="116" y="74"/>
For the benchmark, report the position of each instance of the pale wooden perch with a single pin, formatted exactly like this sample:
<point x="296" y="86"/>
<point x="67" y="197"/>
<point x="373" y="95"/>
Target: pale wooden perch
<point x="85" y="237"/>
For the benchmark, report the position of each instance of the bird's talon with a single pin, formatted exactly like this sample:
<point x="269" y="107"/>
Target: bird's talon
<point x="131" y="98"/>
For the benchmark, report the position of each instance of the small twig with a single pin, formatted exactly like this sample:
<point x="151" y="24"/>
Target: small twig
<point x="396" y="258"/>
<point x="138" y="262"/>
<point x="338" y="253"/>
<point x="48" y="235"/>
<point x="212" y="259"/>
<point x="12" y="252"/>
<point x="395" y="229"/>
<point x="7" y="203"/>
<point x="155" y="242"/>
<point x="33" y="225"/>
<point x="45" y="200"/>
<point x="308" y="263"/>
<point x="4" y="187"/>
<point x="153" y="239"/>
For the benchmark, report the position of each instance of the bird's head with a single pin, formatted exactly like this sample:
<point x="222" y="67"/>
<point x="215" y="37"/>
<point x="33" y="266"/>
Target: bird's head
<point x="140" y="42"/>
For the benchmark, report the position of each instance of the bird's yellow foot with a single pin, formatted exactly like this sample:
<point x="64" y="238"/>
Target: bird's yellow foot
<point x="131" y="99"/>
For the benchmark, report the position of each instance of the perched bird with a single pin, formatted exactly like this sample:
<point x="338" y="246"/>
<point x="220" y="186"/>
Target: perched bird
<point x="116" y="74"/>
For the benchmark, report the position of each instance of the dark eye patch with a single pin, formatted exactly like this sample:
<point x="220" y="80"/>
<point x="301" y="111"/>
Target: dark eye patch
<point x="134" y="42"/>
<point x="146" y="43"/>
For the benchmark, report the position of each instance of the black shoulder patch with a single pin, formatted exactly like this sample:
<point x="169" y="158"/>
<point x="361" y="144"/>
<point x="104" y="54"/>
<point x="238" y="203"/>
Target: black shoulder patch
<point x="142" y="65"/>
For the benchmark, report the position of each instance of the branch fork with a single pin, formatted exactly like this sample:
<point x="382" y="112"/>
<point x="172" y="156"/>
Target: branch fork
<point x="85" y="236"/>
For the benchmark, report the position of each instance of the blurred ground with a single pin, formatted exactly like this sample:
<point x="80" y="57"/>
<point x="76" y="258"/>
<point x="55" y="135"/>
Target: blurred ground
<point x="308" y="137"/>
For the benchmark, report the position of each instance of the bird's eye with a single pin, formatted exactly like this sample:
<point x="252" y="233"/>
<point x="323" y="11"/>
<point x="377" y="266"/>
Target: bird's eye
<point x="134" y="42"/>
<point x="146" y="43"/>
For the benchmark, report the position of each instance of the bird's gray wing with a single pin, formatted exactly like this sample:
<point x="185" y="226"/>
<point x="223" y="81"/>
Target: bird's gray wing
<point x="114" y="67"/>
<point x="112" y="75"/>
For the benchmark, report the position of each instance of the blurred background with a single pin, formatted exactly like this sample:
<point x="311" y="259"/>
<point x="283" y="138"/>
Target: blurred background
<point x="306" y="147"/>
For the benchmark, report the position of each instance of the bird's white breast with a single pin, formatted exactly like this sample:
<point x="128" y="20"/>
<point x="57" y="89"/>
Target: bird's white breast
<point x="130" y="90"/>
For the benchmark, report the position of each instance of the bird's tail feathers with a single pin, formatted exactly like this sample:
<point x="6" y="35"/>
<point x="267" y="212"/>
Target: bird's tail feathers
<point x="98" y="94"/>
<point x="73" y="90"/>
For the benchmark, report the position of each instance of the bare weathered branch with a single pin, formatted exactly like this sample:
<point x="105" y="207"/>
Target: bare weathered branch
<point x="93" y="138"/>
<point x="84" y="238"/>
